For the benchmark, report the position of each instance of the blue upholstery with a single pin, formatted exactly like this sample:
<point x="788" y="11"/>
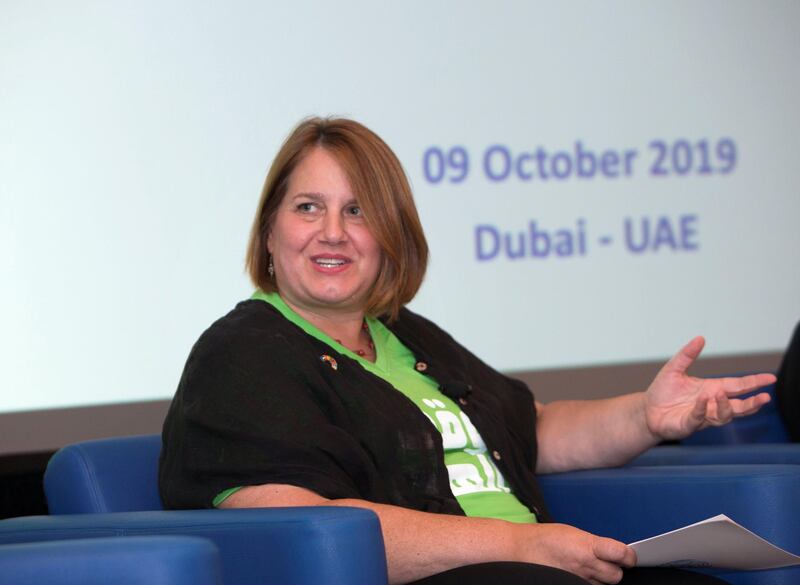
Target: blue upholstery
<point x="156" y="560"/>
<point x="635" y="503"/>
<point x="757" y="453"/>
<point x="288" y="546"/>
<point x="107" y="475"/>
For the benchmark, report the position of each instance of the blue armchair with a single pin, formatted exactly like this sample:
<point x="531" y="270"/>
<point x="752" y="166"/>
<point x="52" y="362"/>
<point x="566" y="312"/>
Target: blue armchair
<point x="85" y="484"/>
<point x="293" y="546"/>
<point x="109" y="488"/>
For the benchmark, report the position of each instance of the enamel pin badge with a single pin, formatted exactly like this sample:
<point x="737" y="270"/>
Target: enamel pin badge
<point x="330" y="361"/>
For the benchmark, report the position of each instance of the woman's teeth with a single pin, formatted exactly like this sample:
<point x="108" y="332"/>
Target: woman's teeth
<point x="329" y="262"/>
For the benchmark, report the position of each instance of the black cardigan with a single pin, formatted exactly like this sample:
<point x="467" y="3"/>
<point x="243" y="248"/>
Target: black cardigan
<point x="257" y="405"/>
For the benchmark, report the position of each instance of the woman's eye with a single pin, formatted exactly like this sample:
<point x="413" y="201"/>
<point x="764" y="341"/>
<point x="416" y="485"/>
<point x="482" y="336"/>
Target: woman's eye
<point x="355" y="211"/>
<point x="306" y="207"/>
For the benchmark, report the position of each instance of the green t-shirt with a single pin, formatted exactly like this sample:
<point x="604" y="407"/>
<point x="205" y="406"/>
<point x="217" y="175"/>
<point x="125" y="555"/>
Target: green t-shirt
<point x="475" y="480"/>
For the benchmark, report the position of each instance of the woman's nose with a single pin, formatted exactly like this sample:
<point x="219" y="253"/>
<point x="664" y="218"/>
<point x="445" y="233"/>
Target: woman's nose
<point x="333" y="228"/>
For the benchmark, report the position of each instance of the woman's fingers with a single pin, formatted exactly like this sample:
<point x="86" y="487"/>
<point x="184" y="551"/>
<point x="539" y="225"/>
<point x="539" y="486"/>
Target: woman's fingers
<point x="607" y="573"/>
<point x="750" y="405"/>
<point x="721" y="410"/>
<point x="608" y="549"/>
<point x="686" y="356"/>
<point x="745" y="384"/>
<point x="612" y="556"/>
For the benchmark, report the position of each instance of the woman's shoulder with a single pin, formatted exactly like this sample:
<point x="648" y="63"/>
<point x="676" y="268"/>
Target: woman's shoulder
<point x="245" y="351"/>
<point x="249" y="318"/>
<point x="416" y="324"/>
<point x="249" y="331"/>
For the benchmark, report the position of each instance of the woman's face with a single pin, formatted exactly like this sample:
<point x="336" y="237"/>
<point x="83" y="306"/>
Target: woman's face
<point x="324" y="256"/>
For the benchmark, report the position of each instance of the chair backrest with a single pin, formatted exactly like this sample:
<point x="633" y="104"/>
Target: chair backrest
<point x="107" y="475"/>
<point x="766" y="426"/>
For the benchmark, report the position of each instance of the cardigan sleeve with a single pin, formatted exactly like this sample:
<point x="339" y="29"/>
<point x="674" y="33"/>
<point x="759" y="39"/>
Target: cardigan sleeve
<point x="246" y="414"/>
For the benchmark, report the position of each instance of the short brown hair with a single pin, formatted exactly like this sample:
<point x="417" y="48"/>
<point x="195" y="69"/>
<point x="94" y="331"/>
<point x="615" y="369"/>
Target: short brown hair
<point x="382" y="190"/>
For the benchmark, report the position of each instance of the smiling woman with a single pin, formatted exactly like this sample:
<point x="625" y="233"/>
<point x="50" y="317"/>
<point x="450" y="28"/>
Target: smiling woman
<point x="323" y="389"/>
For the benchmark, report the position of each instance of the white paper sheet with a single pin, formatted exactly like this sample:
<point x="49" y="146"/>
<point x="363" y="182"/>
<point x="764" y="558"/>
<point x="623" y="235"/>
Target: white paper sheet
<point x="715" y="542"/>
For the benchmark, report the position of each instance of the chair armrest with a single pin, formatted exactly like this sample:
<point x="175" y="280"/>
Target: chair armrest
<point x="138" y="560"/>
<point x="634" y="503"/>
<point x="293" y="546"/>
<point x="638" y="502"/>
<point x="755" y="454"/>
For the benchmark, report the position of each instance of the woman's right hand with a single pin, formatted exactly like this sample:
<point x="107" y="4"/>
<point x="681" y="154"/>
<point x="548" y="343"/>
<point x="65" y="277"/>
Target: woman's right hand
<point x="597" y="559"/>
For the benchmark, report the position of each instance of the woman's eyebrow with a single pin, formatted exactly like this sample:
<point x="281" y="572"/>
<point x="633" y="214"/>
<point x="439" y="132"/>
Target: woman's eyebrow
<point x="309" y="195"/>
<point x="315" y="196"/>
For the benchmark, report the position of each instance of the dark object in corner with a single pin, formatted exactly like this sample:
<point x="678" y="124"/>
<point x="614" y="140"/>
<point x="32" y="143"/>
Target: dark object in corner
<point x="787" y="388"/>
<point x="21" y="490"/>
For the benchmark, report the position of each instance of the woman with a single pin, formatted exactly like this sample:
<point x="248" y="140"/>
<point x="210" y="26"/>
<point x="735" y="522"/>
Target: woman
<point x="324" y="390"/>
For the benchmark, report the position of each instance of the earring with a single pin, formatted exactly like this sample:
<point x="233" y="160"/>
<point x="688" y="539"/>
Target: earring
<point x="270" y="267"/>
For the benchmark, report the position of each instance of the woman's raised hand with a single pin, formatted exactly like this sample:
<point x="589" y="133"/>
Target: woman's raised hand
<point x="677" y="404"/>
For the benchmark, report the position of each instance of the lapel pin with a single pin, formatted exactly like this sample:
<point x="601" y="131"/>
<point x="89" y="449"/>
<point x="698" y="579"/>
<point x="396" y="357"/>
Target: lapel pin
<point x="331" y="362"/>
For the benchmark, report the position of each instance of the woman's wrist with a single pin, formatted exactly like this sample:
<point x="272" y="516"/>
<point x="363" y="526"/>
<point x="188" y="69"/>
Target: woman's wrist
<point x="651" y="435"/>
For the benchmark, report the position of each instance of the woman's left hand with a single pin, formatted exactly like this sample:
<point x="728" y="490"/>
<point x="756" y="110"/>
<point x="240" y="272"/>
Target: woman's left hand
<point x="677" y="405"/>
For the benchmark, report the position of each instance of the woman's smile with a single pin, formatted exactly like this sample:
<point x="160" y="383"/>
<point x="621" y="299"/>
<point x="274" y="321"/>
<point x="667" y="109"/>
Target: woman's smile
<point x="331" y="263"/>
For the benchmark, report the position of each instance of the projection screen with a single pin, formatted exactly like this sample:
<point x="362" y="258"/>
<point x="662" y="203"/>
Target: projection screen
<point x="598" y="182"/>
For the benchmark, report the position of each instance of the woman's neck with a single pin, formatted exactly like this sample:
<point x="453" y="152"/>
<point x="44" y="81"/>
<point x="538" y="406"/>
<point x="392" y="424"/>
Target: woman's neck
<point x="346" y="327"/>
